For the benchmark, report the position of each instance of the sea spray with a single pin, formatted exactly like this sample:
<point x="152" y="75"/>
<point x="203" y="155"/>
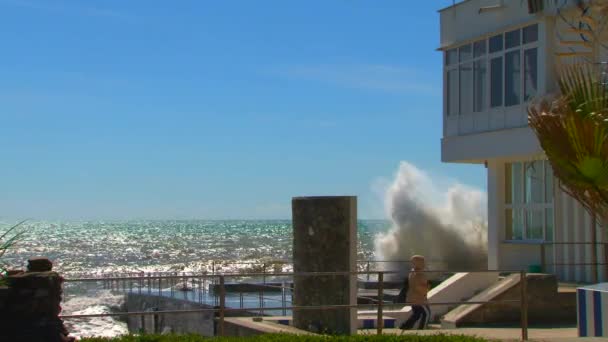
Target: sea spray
<point x="97" y="302"/>
<point x="449" y="228"/>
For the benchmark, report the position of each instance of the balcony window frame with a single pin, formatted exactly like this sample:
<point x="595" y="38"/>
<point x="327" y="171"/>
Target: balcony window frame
<point x="487" y="58"/>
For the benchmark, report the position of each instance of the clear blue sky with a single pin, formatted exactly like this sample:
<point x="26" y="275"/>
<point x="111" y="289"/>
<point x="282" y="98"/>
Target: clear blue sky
<point x="214" y="109"/>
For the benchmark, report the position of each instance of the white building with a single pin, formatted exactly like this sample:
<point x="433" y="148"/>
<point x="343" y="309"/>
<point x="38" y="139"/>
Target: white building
<point x="498" y="57"/>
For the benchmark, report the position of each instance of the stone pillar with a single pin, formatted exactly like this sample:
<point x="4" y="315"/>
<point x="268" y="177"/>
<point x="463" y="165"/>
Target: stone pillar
<point x="30" y="305"/>
<point x="325" y="240"/>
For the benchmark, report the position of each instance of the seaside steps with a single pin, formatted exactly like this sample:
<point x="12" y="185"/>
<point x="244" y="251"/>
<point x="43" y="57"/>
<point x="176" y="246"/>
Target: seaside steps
<point x="459" y="287"/>
<point x="546" y="304"/>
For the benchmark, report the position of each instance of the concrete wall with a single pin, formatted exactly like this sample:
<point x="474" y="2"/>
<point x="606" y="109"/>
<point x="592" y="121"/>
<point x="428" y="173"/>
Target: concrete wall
<point x="478" y="148"/>
<point x="198" y="322"/>
<point x="545" y="304"/>
<point x="243" y="327"/>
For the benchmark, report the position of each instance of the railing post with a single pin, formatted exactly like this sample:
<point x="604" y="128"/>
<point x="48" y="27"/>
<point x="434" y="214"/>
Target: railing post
<point x="367" y="270"/>
<point x="380" y="319"/>
<point x="284" y="298"/>
<point x="261" y="302"/>
<point x="524" y="305"/>
<point x="264" y="273"/>
<point x="222" y="305"/>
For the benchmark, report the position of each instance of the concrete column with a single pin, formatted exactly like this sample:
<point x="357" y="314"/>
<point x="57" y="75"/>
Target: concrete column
<point x="325" y="240"/>
<point x="496" y="199"/>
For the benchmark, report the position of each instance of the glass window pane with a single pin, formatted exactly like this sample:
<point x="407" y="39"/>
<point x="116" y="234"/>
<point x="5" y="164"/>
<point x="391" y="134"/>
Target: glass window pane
<point x="480" y="85"/>
<point x="512" y="78"/>
<point x="549" y="224"/>
<point x="496" y="43"/>
<point x="533" y="174"/>
<point x="508" y="184"/>
<point x="530" y="33"/>
<point x="496" y="82"/>
<point x="466" y="88"/>
<point x="530" y="73"/>
<point x="516" y="182"/>
<point x="452" y="92"/>
<point x="479" y="48"/>
<point x="451" y="57"/>
<point x="512" y="39"/>
<point x="465" y="53"/>
<point x="517" y="226"/>
<point x="534" y="224"/>
<point x="548" y="183"/>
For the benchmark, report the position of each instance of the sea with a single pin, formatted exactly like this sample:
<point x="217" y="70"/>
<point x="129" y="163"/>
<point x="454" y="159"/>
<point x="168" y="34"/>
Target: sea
<point x="102" y="248"/>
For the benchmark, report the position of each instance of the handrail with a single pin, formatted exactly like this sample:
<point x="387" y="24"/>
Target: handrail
<point x="221" y="309"/>
<point x="285" y="274"/>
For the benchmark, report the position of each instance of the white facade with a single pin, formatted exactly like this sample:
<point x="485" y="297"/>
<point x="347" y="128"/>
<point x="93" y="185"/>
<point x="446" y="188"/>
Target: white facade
<point x="498" y="58"/>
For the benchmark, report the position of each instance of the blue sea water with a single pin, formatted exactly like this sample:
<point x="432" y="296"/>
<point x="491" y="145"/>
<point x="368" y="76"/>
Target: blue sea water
<point x="111" y="248"/>
<point x="96" y="247"/>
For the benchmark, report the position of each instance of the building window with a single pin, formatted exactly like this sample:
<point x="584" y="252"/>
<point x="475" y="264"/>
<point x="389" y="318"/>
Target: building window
<point x="496" y="82"/>
<point x="512" y="78"/>
<point x="530" y="73"/>
<point x="529" y="201"/>
<point x="466" y="87"/>
<point x="499" y="71"/>
<point x="452" y="92"/>
<point x="480" y="85"/>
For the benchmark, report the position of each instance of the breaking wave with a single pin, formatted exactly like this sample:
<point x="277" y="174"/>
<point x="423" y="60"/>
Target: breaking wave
<point x="448" y="227"/>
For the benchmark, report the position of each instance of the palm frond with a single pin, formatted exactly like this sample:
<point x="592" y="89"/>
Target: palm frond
<point x="573" y="132"/>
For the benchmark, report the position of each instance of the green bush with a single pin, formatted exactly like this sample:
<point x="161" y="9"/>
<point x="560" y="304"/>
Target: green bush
<point x="285" y="337"/>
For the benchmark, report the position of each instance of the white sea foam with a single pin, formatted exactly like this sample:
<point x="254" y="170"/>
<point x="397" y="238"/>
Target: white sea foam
<point x="449" y="226"/>
<point x="100" y="302"/>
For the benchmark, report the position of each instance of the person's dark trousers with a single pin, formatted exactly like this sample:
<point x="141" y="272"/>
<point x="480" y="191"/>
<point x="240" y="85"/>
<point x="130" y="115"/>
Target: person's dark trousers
<point x="421" y="314"/>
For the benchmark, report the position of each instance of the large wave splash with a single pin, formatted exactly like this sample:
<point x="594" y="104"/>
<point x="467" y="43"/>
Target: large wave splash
<point x="448" y="227"/>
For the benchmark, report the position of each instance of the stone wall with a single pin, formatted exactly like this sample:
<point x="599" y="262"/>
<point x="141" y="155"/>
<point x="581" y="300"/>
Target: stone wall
<point x="30" y="305"/>
<point x="325" y="240"/>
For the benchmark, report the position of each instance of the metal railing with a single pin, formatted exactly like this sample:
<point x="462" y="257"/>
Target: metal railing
<point x="222" y="309"/>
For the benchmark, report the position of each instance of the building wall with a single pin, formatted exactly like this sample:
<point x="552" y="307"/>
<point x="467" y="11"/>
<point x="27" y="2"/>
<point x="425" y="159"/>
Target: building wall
<point x="574" y="224"/>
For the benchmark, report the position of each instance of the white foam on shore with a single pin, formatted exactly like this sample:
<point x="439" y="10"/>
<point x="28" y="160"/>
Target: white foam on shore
<point x="448" y="227"/>
<point x="100" y="302"/>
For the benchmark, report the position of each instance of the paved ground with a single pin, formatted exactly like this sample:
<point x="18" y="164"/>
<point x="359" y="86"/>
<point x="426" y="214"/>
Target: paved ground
<point x="547" y="334"/>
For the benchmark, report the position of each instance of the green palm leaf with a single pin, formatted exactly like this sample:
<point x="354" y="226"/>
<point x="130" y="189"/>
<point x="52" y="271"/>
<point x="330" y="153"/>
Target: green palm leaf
<point x="573" y="132"/>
